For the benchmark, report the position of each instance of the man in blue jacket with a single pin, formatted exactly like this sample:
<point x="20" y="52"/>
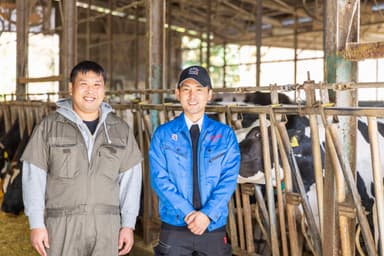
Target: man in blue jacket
<point x="194" y="163"/>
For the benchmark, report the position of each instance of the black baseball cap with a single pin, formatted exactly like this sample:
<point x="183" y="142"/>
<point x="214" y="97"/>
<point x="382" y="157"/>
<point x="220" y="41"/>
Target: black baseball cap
<point x="197" y="73"/>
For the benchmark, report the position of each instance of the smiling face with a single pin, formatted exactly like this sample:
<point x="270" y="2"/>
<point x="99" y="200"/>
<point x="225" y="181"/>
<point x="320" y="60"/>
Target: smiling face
<point x="193" y="98"/>
<point x="88" y="91"/>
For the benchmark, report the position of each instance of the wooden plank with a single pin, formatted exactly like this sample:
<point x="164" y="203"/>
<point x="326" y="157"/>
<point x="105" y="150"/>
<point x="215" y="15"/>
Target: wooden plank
<point x="362" y="51"/>
<point x="24" y="80"/>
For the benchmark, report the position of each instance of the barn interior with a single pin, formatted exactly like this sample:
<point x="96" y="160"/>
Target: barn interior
<point x="316" y="52"/>
<point x="129" y="37"/>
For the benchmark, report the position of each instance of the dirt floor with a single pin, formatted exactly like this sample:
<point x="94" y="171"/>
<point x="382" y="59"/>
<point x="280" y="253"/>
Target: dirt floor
<point x="14" y="237"/>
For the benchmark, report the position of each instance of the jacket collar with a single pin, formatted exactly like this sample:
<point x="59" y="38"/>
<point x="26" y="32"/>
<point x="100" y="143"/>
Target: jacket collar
<point x="181" y="126"/>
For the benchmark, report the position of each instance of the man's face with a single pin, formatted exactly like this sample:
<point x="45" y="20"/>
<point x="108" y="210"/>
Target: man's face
<point x="88" y="92"/>
<point x="193" y="98"/>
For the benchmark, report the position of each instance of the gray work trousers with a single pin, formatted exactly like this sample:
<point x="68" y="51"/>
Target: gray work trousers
<point x="85" y="233"/>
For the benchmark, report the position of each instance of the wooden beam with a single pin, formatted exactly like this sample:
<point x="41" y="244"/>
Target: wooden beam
<point x="362" y="51"/>
<point x="280" y="6"/>
<point x="120" y="9"/>
<point x="25" y="80"/>
<point x="241" y="11"/>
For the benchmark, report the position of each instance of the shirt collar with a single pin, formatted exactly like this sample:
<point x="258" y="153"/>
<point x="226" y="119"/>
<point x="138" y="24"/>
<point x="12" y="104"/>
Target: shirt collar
<point x="190" y="123"/>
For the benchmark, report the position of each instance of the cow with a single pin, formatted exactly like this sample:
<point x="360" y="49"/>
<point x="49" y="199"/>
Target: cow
<point x="12" y="187"/>
<point x="11" y="147"/>
<point x="2" y="126"/>
<point x="261" y="98"/>
<point x="252" y="163"/>
<point x="249" y="99"/>
<point x="258" y="97"/>
<point x="8" y="145"/>
<point x="264" y="98"/>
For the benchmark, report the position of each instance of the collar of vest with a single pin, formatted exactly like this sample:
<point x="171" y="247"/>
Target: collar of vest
<point x="111" y="119"/>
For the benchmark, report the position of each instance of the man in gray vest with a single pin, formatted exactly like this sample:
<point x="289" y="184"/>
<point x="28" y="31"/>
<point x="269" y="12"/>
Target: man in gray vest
<point x="82" y="174"/>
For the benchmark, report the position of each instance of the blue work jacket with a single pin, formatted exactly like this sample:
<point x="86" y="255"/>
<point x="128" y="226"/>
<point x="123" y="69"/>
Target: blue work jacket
<point x="170" y="157"/>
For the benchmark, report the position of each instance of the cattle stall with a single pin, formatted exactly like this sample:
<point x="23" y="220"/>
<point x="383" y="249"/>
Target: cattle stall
<point x="281" y="213"/>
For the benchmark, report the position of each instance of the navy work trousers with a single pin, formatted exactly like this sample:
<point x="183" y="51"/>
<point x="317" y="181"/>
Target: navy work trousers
<point x="182" y="242"/>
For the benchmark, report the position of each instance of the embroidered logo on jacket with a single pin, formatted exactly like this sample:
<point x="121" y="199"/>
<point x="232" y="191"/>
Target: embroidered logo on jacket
<point x="174" y="137"/>
<point x="215" y="137"/>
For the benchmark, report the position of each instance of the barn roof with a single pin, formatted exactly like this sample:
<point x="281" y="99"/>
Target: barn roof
<point x="234" y="21"/>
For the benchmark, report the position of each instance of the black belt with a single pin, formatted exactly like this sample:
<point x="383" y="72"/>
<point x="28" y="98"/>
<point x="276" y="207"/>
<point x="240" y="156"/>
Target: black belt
<point x="167" y="226"/>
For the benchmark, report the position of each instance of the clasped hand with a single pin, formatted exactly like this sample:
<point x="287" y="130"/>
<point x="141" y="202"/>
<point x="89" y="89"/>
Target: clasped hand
<point x="197" y="222"/>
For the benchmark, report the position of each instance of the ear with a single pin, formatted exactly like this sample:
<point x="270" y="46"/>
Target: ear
<point x="177" y="93"/>
<point x="210" y="94"/>
<point x="70" y="89"/>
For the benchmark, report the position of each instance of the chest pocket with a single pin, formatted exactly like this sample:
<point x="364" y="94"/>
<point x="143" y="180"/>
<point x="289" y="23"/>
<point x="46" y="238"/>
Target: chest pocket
<point x="178" y="158"/>
<point x="63" y="160"/>
<point x="175" y="151"/>
<point x="109" y="159"/>
<point x="213" y="157"/>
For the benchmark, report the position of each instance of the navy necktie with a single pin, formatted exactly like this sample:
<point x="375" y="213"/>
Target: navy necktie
<point x="195" y="133"/>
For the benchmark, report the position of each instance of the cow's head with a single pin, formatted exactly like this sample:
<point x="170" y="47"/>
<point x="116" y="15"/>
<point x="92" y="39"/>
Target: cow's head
<point x="13" y="196"/>
<point x="4" y="158"/>
<point x="251" y="149"/>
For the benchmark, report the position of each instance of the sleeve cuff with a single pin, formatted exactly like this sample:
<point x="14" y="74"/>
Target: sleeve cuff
<point x="128" y="220"/>
<point x="36" y="220"/>
<point x="213" y="216"/>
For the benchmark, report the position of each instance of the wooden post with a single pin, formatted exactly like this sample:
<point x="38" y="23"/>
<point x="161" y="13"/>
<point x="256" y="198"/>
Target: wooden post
<point x="278" y="178"/>
<point x="317" y="165"/>
<point x="259" y="25"/>
<point x="291" y="206"/>
<point x="23" y="11"/>
<point x="209" y="27"/>
<point x="136" y="50"/>
<point x="269" y="185"/>
<point x="341" y="24"/>
<point x="109" y="58"/>
<point x="88" y="32"/>
<point x="155" y="49"/>
<point x="68" y="41"/>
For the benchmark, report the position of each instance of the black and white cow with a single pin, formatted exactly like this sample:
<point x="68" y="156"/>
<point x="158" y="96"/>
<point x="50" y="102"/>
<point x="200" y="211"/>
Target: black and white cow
<point x="260" y="98"/>
<point x="252" y="162"/>
<point x="8" y="145"/>
<point x="11" y="148"/>
<point x="364" y="179"/>
<point x="256" y="98"/>
<point x="12" y="187"/>
<point x="2" y="126"/>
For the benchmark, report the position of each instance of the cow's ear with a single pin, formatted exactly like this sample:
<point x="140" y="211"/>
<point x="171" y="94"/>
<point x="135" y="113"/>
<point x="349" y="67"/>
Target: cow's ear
<point x="70" y="88"/>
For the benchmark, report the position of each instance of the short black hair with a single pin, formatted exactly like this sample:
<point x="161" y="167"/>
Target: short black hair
<point x="86" y="66"/>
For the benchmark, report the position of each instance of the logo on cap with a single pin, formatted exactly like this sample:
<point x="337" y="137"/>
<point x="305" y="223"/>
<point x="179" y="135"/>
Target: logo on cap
<point x="197" y="73"/>
<point x="193" y="71"/>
